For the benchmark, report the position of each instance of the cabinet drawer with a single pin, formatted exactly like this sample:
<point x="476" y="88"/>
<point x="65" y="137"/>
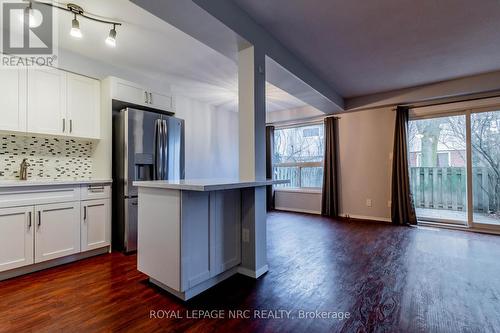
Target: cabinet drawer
<point x="95" y="191"/>
<point x="37" y="195"/>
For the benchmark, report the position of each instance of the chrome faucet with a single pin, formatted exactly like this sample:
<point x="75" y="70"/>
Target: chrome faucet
<point x="23" y="174"/>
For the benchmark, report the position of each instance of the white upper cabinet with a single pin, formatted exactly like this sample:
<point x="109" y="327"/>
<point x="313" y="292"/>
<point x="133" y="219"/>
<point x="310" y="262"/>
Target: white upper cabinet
<point x="50" y="101"/>
<point x="130" y="92"/>
<point x="160" y="101"/>
<point x="47" y="101"/>
<point x="16" y="237"/>
<point x="83" y="106"/>
<point x="13" y="101"/>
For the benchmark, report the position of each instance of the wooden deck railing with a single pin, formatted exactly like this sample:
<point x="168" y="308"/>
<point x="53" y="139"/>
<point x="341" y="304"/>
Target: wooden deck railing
<point x="446" y="188"/>
<point x="300" y="174"/>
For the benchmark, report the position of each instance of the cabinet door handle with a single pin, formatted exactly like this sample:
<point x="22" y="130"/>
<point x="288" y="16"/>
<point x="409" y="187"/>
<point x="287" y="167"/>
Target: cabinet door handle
<point x="71" y="125"/>
<point x="29" y="220"/>
<point x="39" y="218"/>
<point x="150" y="98"/>
<point x="64" y="125"/>
<point x="84" y="213"/>
<point x="146" y="97"/>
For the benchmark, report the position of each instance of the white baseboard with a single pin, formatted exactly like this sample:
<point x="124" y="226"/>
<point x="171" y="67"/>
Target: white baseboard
<point x="363" y="217"/>
<point x="253" y="274"/>
<point x="199" y="288"/>
<point x="298" y="210"/>
<point x="52" y="263"/>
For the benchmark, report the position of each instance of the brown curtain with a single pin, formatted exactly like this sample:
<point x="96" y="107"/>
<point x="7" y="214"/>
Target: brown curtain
<point x="403" y="210"/>
<point x="269" y="165"/>
<point x="329" y="198"/>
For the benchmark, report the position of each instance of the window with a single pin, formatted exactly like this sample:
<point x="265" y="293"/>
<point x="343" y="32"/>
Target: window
<point x="443" y="159"/>
<point x="298" y="155"/>
<point x="446" y="186"/>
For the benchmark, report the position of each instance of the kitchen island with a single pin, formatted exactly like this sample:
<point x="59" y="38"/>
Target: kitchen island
<point x="190" y="233"/>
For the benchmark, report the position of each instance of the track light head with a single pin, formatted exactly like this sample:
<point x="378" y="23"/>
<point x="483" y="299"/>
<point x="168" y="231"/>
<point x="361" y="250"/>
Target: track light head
<point x="75" y="28"/>
<point x="111" y="39"/>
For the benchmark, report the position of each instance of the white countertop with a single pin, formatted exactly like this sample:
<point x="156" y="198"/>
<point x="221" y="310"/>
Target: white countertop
<point x="49" y="182"/>
<point x="207" y="184"/>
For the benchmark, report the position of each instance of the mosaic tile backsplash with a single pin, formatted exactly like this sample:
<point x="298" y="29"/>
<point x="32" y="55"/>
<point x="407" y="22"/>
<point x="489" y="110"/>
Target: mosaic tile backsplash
<point x="49" y="158"/>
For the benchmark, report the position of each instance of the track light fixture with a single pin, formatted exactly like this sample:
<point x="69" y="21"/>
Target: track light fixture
<point x="76" y="10"/>
<point x="75" y="28"/>
<point x="111" y="40"/>
<point x="28" y="12"/>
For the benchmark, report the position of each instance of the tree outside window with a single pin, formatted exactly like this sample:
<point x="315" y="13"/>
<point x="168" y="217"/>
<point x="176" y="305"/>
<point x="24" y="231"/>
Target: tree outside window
<point x="298" y="155"/>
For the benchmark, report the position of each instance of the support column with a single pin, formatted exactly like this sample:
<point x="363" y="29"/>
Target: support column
<point x="252" y="159"/>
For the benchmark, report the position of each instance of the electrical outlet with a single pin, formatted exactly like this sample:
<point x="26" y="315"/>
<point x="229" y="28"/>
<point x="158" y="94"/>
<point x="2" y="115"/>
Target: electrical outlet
<point x="245" y="235"/>
<point x="368" y="202"/>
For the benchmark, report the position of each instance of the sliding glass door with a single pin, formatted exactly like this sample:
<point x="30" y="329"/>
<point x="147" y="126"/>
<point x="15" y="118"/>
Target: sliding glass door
<point x="454" y="163"/>
<point x="485" y="142"/>
<point x="438" y="162"/>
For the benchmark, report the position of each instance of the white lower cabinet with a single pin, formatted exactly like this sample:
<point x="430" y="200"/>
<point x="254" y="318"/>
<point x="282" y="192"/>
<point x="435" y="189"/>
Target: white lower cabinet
<point x="57" y="230"/>
<point x="42" y="223"/>
<point x="16" y="237"/>
<point x="95" y="215"/>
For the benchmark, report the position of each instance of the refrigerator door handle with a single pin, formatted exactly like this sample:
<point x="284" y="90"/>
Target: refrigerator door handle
<point x="162" y="149"/>
<point x="158" y="150"/>
<point x="165" y="150"/>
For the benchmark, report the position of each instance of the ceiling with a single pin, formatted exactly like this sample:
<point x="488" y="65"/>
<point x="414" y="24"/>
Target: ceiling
<point x="153" y="47"/>
<point x="363" y="47"/>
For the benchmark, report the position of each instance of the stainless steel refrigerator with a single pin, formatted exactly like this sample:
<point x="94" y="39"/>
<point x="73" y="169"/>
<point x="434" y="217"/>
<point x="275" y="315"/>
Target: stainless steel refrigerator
<point x="146" y="146"/>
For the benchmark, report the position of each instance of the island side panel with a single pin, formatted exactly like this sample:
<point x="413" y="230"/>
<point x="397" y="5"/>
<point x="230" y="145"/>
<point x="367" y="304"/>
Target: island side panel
<point x="159" y="230"/>
<point x="227" y="229"/>
<point x="198" y="238"/>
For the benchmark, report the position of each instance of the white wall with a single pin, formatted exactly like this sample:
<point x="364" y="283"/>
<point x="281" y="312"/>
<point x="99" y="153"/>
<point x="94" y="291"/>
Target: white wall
<point x="298" y="200"/>
<point x="293" y="115"/>
<point x="211" y="139"/>
<point x="211" y="133"/>
<point x="365" y="149"/>
<point x="365" y="162"/>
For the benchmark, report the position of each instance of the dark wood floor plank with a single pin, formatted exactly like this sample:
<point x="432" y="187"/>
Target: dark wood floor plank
<point x="391" y="279"/>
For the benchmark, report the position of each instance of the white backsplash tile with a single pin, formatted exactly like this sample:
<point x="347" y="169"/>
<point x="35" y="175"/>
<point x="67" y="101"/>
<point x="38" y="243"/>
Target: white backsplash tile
<point x="49" y="158"/>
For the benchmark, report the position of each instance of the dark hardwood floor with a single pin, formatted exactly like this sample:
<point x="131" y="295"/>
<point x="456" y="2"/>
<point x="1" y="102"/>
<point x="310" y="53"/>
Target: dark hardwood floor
<point x="390" y="279"/>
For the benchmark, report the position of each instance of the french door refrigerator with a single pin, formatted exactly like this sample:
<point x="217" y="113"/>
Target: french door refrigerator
<point x="146" y="146"/>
